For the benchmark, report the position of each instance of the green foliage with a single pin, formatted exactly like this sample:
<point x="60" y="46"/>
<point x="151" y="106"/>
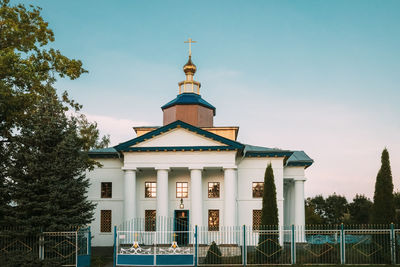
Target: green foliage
<point x="396" y="201"/>
<point x="39" y="146"/>
<point x="311" y="215"/>
<point x="49" y="184"/>
<point x="360" y="209"/>
<point x="269" y="214"/>
<point x="336" y="208"/>
<point x="317" y="204"/>
<point x="213" y="255"/>
<point x="383" y="210"/>
<point x="90" y="135"/>
<point x="268" y="248"/>
<point x="331" y="210"/>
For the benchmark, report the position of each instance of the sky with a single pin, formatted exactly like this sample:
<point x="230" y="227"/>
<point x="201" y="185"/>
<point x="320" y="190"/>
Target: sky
<point x="319" y="76"/>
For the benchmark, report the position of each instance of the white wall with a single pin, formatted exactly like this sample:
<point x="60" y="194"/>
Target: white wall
<point x="249" y="170"/>
<point x="110" y="172"/>
<point x="253" y="170"/>
<point x="179" y="159"/>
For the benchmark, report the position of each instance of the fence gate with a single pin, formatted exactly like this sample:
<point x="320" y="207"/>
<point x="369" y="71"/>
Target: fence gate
<point x="69" y="248"/>
<point x="153" y="248"/>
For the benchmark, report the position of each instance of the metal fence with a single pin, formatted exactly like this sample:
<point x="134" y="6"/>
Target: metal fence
<point x="269" y="245"/>
<point x="68" y="248"/>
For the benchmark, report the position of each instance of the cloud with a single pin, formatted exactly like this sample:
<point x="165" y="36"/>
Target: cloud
<point x="120" y="130"/>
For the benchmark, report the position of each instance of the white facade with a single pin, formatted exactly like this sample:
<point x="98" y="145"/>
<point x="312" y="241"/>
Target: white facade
<point x="196" y="160"/>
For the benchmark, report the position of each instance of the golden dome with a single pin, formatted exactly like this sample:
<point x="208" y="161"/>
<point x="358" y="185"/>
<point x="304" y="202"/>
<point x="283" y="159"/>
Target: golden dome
<point x="189" y="67"/>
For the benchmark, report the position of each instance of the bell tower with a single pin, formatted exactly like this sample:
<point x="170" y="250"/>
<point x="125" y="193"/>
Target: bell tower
<point x="189" y="106"/>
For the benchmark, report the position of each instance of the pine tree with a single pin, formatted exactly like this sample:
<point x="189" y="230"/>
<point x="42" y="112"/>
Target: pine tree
<point x="383" y="211"/>
<point x="268" y="249"/>
<point x="49" y="185"/>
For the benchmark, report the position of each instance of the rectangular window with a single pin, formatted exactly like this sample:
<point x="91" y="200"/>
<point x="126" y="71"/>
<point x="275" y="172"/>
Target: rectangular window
<point x="105" y="221"/>
<point x="149" y="220"/>
<point x="213" y="190"/>
<point x="258" y="189"/>
<point x="106" y="190"/>
<point x="256" y="219"/>
<point x="182" y="190"/>
<point x="213" y="220"/>
<point x="150" y="189"/>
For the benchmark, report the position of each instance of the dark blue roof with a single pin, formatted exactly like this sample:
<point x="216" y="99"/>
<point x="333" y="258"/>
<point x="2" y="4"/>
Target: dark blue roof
<point x="189" y="99"/>
<point x="294" y="158"/>
<point x="299" y="158"/>
<point x="108" y="152"/>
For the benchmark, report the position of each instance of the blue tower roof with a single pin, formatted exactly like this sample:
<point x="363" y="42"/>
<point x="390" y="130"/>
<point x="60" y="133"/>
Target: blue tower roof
<point x="189" y="99"/>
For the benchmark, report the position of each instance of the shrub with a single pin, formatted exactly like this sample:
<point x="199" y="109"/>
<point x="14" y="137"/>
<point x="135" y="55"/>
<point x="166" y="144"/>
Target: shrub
<point x="213" y="254"/>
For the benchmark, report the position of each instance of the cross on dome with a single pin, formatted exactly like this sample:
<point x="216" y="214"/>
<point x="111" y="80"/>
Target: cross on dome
<point x="190" y="42"/>
<point x="189" y="85"/>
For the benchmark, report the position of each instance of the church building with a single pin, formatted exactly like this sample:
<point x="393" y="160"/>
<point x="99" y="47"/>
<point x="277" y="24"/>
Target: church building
<point x="190" y="169"/>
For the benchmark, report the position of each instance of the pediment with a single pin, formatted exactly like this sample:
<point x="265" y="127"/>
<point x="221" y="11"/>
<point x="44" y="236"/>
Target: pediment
<point x="179" y="137"/>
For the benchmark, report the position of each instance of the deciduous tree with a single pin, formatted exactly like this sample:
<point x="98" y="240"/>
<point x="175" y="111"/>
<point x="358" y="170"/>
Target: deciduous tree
<point x="360" y="209"/>
<point x="29" y="67"/>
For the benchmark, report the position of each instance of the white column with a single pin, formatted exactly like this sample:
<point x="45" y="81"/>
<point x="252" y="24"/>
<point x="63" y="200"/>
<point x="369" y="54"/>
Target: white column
<point x="292" y="203"/>
<point x="299" y="211"/>
<point x="162" y="192"/>
<point x="130" y="194"/>
<point x="230" y="189"/>
<point x="286" y="206"/>
<point x="196" y="196"/>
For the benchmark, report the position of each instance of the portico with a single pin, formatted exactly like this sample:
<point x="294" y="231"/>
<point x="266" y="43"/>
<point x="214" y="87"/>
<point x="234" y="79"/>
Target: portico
<point x="167" y="202"/>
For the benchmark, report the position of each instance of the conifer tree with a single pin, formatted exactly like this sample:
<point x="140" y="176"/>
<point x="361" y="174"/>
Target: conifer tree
<point x="269" y="215"/>
<point x="383" y="211"/>
<point x="268" y="247"/>
<point x="48" y="172"/>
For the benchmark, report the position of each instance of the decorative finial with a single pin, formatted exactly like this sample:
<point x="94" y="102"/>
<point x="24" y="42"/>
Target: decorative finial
<point x="190" y="41"/>
<point x="189" y="85"/>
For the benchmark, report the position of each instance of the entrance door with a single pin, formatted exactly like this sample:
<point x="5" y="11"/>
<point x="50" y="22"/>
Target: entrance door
<point x="181" y="226"/>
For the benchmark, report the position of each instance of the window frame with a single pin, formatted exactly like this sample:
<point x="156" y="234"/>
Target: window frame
<point x="253" y="187"/>
<point x="213" y="227"/>
<point x="219" y="189"/>
<point x="187" y="190"/>
<point x="103" y="190"/>
<point x="151" y="187"/>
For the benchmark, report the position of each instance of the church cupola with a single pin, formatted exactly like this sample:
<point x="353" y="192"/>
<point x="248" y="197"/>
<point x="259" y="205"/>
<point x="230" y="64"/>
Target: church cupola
<point x="188" y="106"/>
<point x="189" y="85"/>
